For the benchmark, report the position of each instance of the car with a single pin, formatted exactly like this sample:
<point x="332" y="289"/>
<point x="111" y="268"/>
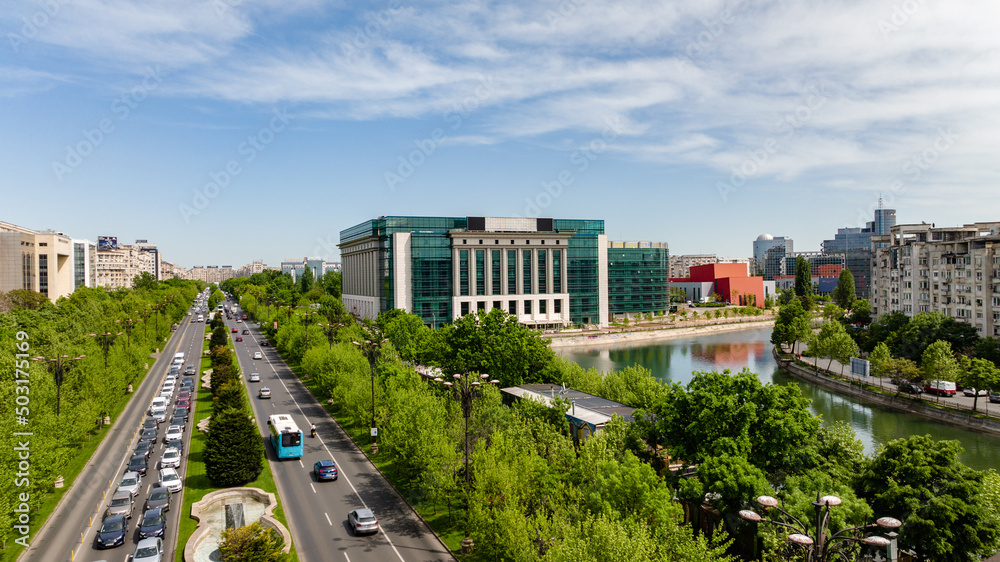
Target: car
<point x="159" y="498"/>
<point x="974" y="392"/>
<point x="246" y="332"/>
<point x="171" y="378"/>
<point x="235" y="330"/>
<point x="171" y="458"/>
<point x="239" y="319"/>
<point x="264" y="392"/>
<point x="254" y="377"/>
<point x="173" y="432"/>
<point x="170" y="480"/>
<point x="112" y="533"/>
<point x="995" y="397"/>
<point x="238" y="338"/>
<point x="148" y="435"/>
<point x="184" y="395"/>
<point x="263" y="343"/>
<point x="189" y="370"/>
<point x="258" y="355"/>
<point x="122" y="503"/>
<point x="130" y="482"/>
<point x="911" y="388"/>
<point x="160" y="413"/>
<point x="149" y="423"/>
<point x="179" y="420"/>
<point x="176" y="444"/>
<point x="362" y="521"/>
<point x="138" y="464"/>
<point x="182" y="410"/>
<point x="143" y="448"/>
<point x="184" y="404"/>
<point x="153" y="524"/>
<point x="149" y="550"/>
<point x="325" y="470"/>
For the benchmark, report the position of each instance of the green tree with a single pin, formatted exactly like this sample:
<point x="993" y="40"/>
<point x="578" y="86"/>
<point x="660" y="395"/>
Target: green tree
<point x="791" y="325"/>
<point x="989" y="348"/>
<point x="922" y="482"/>
<point x="23" y="298"/>
<point x="832" y="312"/>
<point x="252" y="543"/>
<point x="882" y="328"/>
<point x="229" y="396"/>
<point x="803" y="282"/>
<point x="978" y="373"/>
<point x="925" y="328"/>
<point x="843" y="293"/>
<point x="145" y="281"/>
<point x="938" y="362"/>
<point x="880" y="359"/>
<point x="306" y="280"/>
<point x="861" y="312"/>
<point x="219" y="338"/>
<point x="331" y="283"/>
<point x="234" y="451"/>
<point x="833" y="342"/>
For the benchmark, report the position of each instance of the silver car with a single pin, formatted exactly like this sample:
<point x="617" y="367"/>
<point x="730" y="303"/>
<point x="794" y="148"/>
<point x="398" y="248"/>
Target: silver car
<point x="130" y="482"/>
<point x="121" y="504"/>
<point x="362" y="521"/>
<point x="149" y="550"/>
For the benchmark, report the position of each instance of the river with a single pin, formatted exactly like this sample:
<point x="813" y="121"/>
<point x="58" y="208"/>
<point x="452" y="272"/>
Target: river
<point x="675" y="361"/>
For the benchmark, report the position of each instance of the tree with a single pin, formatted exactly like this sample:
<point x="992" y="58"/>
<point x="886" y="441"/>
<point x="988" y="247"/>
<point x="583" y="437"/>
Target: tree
<point x="791" y="325"/>
<point x="938" y="362"/>
<point x="307" y="280"/>
<point x="23" y="298"/>
<point x="880" y="360"/>
<point x="832" y="312"/>
<point x="978" y="373"/>
<point x="331" y="283"/>
<point x="219" y="337"/>
<point x="234" y="451"/>
<point x="803" y="281"/>
<point x="861" y="312"/>
<point x="145" y="281"/>
<point x="252" y="543"/>
<point x="911" y="340"/>
<point x="229" y="396"/>
<point x="886" y="325"/>
<point x="989" y="348"/>
<point x="844" y="294"/>
<point x="833" y="342"/>
<point x="922" y="482"/>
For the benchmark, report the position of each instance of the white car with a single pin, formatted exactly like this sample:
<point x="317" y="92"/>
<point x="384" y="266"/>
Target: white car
<point x="131" y="482"/>
<point x="149" y="550"/>
<point x="254" y="377"/>
<point x="173" y="432"/>
<point x="171" y="458"/>
<point x="974" y="392"/>
<point x="257" y="355"/>
<point x="170" y="480"/>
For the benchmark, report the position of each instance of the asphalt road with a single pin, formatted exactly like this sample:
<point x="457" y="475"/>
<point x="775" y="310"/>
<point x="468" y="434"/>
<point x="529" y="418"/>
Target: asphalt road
<point x="317" y="511"/>
<point x="70" y="531"/>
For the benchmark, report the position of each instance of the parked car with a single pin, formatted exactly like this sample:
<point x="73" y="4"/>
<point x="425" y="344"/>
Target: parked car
<point x="941" y="388"/>
<point x="254" y="377"/>
<point x="995" y="397"/>
<point x="112" y="533"/>
<point x="264" y="392"/>
<point x="149" y="550"/>
<point x="974" y="392"/>
<point x="153" y="524"/>
<point x="362" y="521"/>
<point x="325" y="470"/>
<point x="122" y="503"/>
<point x="137" y="464"/>
<point x="911" y="388"/>
<point x="171" y="458"/>
<point x="130" y="482"/>
<point x="159" y="498"/>
<point x="170" y="480"/>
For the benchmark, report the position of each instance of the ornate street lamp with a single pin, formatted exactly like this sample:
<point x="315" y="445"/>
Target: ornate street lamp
<point x="59" y="367"/>
<point x="128" y="325"/>
<point x="819" y="547"/>
<point x="372" y="349"/>
<point x="331" y="331"/>
<point x="465" y="390"/>
<point x="105" y="340"/>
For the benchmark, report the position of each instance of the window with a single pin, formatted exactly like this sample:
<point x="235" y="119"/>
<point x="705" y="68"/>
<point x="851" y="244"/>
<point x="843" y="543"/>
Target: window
<point x="526" y="271"/>
<point x="495" y="263"/>
<point x="512" y="307"/>
<point x="465" y="308"/>
<point x="557" y="306"/>
<point x="496" y="304"/>
<point x="541" y="272"/>
<point x="43" y="274"/>
<point x="527" y="307"/>
<point x="480" y="272"/>
<point x="542" y="307"/>
<point x="557" y="271"/>
<point x="463" y="272"/>
<point x="511" y="272"/>
<point x="481" y="305"/>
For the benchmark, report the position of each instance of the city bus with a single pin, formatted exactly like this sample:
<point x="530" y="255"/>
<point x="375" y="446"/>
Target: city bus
<point x="286" y="438"/>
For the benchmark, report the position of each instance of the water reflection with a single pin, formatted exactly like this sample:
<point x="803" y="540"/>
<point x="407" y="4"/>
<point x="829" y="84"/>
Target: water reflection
<point x="675" y="361"/>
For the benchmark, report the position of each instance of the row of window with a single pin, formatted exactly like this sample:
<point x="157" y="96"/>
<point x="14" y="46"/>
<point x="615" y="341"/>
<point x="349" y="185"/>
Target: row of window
<point x="512" y="306"/>
<point x="533" y="282"/>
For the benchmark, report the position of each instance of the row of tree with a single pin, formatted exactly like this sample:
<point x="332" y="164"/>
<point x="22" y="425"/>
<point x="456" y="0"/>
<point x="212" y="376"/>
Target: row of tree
<point x="133" y="323"/>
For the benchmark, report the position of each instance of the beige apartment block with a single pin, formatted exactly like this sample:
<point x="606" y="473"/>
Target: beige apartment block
<point x="40" y="261"/>
<point x="953" y="270"/>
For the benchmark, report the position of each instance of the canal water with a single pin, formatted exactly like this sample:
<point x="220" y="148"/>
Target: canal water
<point x="675" y="361"/>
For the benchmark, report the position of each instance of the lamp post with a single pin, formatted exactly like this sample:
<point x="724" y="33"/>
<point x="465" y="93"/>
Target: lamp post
<point x="821" y="548"/>
<point x="331" y="331"/>
<point x="105" y="340"/>
<point x="372" y="349"/>
<point x="465" y="390"/>
<point x="127" y="325"/>
<point x="59" y="367"/>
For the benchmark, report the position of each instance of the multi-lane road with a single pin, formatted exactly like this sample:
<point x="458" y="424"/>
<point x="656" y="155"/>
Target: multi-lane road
<point x="317" y="511"/>
<point x="70" y="530"/>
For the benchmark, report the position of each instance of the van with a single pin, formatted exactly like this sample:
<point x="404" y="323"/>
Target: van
<point x="179" y="357"/>
<point x="941" y="388"/>
<point x="158" y="402"/>
<point x="200" y="318"/>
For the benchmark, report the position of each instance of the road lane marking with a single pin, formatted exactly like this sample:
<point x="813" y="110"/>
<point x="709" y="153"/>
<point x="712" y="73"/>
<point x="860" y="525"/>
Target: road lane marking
<point x="328" y="519"/>
<point x="313" y="487"/>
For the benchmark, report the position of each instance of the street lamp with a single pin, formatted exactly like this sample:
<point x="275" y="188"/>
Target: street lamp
<point x="821" y="548"/>
<point x="372" y="349"/>
<point x="128" y="325"/>
<point x="105" y="340"/>
<point x="59" y="368"/>
<point x="465" y="390"/>
<point x="331" y="331"/>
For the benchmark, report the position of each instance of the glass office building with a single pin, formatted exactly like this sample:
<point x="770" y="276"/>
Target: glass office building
<point x="638" y="277"/>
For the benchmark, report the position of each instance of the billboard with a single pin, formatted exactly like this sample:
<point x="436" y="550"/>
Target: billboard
<point x="860" y="367"/>
<point x="107" y="242"/>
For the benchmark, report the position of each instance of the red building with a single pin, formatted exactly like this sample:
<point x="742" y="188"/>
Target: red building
<point x="729" y="280"/>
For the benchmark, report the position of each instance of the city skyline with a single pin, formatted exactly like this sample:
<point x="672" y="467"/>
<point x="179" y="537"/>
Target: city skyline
<point x="225" y="132"/>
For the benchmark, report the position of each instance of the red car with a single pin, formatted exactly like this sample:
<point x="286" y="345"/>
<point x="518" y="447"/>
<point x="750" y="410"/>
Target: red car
<point x="235" y="330"/>
<point x="239" y="338"/>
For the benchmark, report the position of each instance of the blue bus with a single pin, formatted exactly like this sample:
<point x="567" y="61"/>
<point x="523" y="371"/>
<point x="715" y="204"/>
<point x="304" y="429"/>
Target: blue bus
<point x="286" y="438"/>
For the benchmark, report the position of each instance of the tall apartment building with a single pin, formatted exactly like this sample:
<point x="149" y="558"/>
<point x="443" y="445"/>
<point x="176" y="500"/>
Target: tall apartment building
<point x="297" y="266"/>
<point x="41" y="261"/>
<point x="257" y="266"/>
<point x="954" y="270"/>
<point x="116" y="265"/>
<point x="769" y="254"/>
<point x="211" y="273"/>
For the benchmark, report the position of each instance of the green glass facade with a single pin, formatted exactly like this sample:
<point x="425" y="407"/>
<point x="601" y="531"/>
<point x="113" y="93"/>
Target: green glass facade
<point x="638" y="279"/>
<point x="582" y="261"/>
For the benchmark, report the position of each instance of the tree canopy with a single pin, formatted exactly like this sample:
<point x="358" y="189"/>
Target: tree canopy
<point x="843" y="293"/>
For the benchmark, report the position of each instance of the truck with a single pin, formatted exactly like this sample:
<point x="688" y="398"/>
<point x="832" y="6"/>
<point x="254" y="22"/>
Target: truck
<point x="941" y="388"/>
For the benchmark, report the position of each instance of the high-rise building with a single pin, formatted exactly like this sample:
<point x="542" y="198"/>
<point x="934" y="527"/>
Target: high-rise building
<point x="638" y="278"/>
<point x="547" y="272"/>
<point x="116" y="265"/>
<point x="83" y="268"/>
<point x="769" y="255"/>
<point x="40" y="261"/>
<point x="955" y="270"/>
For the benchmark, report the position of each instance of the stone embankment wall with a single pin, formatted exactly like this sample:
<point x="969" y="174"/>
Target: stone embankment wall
<point x="646" y="335"/>
<point x="900" y="403"/>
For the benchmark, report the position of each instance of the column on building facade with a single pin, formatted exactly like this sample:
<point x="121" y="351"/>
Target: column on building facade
<point x="503" y="273"/>
<point x="519" y="272"/>
<point x="473" y="286"/>
<point x="456" y="272"/>
<point x="534" y="275"/>
<point x="488" y="272"/>
<point x="548" y="271"/>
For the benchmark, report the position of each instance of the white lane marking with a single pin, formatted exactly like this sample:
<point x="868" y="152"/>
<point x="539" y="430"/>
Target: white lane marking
<point x="313" y="487"/>
<point x="328" y="519"/>
<point x="300" y="463"/>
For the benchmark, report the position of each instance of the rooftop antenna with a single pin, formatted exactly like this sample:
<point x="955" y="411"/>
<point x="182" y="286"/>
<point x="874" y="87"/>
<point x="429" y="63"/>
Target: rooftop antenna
<point x="880" y="201"/>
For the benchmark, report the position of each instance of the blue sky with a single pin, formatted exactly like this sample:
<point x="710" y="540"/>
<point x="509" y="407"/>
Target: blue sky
<point x="231" y="130"/>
